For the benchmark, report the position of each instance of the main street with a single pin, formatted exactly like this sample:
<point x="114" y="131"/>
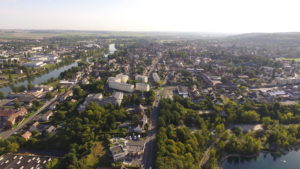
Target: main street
<point x="149" y="153"/>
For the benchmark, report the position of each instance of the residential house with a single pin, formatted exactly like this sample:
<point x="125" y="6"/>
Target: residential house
<point x="183" y="91"/>
<point x="50" y="129"/>
<point x="135" y="147"/>
<point x="118" y="153"/>
<point x="47" y="115"/>
<point x="8" y="117"/>
<point x="34" y="126"/>
<point x="27" y="135"/>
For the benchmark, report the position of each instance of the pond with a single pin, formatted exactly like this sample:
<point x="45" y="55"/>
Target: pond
<point x="291" y="160"/>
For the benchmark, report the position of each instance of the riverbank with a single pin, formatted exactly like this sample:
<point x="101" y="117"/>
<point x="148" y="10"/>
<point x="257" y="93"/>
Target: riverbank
<point x="37" y="73"/>
<point x="39" y="79"/>
<point x="273" y="153"/>
<point x="235" y="155"/>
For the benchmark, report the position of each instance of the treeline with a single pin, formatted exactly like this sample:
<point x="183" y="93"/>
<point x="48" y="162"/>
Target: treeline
<point x="177" y="145"/>
<point x="70" y="73"/>
<point x="251" y="112"/>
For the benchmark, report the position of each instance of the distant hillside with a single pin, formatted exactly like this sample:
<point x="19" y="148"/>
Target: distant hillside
<point x="285" y="39"/>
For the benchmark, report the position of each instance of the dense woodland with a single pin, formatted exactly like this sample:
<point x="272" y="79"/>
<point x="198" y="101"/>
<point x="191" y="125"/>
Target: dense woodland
<point x="184" y="135"/>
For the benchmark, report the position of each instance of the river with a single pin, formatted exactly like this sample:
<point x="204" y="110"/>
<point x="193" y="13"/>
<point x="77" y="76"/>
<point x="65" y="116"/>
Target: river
<point x="111" y="50"/>
<point x="41" y="79"/>
<point x="291" y="160"/>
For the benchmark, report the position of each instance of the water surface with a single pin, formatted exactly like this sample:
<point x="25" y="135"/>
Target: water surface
<point x="291" y="160"/>
<point x="41" y="79"/>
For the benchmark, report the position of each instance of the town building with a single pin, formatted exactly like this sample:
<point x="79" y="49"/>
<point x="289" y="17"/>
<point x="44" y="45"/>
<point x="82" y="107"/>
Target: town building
<point x="115" y="99"/>
<point x="120" y="83"/>
<point x="156" y="77"/>
<point x="34" y="64"/>
<point x="208" y="80"/>
<point x="50" y="129"/>
<point x="38" y="48"/>
<point x="288" y="80"/>
<point x="34" y="126"/>
<point x="24" y="98"/>
<point x="123" y="78"/>
<point x="47" y="115"/>
<point x="135" y="147"/>
<point x="66" y="82"/>
<point x="141" y="78"/>
<point x="8" y="117"/>
<point x="118" y="153"/>
<point x="142" y="87"/>
<point x="183" y="91"/>
<point x="27" y="135"/>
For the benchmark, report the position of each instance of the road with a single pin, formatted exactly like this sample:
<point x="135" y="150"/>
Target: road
<point x="149" y="153"/>
<point x="154" y="63"/>
<point x="7" y="133"/>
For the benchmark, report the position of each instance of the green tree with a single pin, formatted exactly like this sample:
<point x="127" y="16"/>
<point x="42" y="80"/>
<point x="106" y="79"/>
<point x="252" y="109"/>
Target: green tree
<point x="1" y="95"/>
<point x="250" y="116"/>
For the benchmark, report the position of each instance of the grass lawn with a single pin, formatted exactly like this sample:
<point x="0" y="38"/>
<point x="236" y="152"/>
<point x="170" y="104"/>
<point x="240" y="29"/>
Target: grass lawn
<point x="289" y="59"/>
<point x="97" y="157"/>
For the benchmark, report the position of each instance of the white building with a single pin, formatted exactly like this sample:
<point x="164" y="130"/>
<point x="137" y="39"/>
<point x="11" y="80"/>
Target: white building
<point x="289" y="80"/>
<point x="156" y="78"/>
<point x="47" y="115"/>
<point x="114" y="79"/>
<point x="38" y="48"/>
<point x="119" y="83"/>
<point x="13" y="59"/>
<point x="115" y="99"/>
<point x="35" y="64"/>
<point x="183" y="91"/>
<point x="141" y="78"/>
<point x="121" y="86"/>
<point x="38" y="58"/>
<point x="123" y="78"/>
<point x="142" y="87"/>
<point x="94" y="97"/>
<point x="66" y="82"/>
<point x="118" y="96"/>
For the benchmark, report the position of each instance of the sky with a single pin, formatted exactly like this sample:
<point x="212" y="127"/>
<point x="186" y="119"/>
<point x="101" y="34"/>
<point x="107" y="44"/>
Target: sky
<point x="210" y="16"/>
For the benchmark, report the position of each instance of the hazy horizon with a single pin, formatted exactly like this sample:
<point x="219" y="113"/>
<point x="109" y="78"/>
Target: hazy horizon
<point x="189" y="16"/>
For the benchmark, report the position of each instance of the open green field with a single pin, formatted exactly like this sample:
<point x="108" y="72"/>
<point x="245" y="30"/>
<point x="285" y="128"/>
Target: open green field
<point x="32" y="34"/>
<point x="289" y="59"/>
